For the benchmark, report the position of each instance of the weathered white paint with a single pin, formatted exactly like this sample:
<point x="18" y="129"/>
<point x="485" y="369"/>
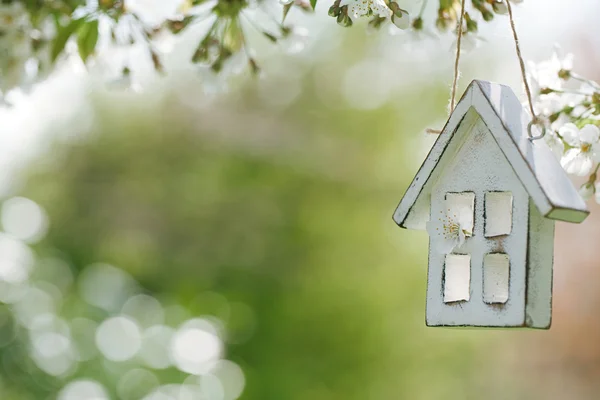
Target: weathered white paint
<point x="540" y="258"/>
<point x="457" y="277"/>
<point x="498" y="213"/>
<point x="496" y="273"/>
<point x="476" y="164"/>
<point x="533" y="162"/>
<point x="518" y="188"/>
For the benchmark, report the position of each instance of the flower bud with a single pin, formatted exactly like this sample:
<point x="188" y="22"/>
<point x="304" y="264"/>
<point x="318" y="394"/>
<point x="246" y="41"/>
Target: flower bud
<point x="393" y="6"/>
<point x="471" y="25"/>
<point x="334" y="11"/>
<point x="344" y="20"/>
<point x="417" y="24"/>
<point x="441" y="24"/>
<point x="400" y="17"/>
<point x="587" y="190"/>
<point x="500" y="7"/>
<point x="487" y="15"/>
<point x="564" y="74"/>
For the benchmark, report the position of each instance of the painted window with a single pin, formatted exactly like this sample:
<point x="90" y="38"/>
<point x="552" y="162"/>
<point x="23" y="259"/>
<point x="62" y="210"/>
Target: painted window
<point x="498" y="213"/>
<point x="460" y="207"/>
<point x="496" y="269"/>
<point x="457" y="277"/>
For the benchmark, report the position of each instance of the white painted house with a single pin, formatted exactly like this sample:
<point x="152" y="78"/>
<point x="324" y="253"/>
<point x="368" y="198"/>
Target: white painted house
<point x="489" y="197"/>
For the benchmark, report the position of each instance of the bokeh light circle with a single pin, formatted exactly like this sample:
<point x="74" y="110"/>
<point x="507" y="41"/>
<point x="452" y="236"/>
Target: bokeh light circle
<point x="196" y="347"/>
<point x="118" y="338"/>
<point x="83" y="390"/>
<point x="24" y="219"/>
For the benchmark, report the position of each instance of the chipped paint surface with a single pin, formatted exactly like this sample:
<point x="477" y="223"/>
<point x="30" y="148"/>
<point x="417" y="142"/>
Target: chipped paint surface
<point x="484" y="148"/>
<point x="533" y="162"/>
<point x="476" y="164"/>
<point x="540" y="259"/>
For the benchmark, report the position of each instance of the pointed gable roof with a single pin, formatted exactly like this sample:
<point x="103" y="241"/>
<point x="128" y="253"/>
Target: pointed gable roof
<point x="533" y="162"/>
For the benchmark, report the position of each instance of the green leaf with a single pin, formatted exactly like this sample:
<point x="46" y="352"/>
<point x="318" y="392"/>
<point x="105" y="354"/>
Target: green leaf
<point x="87" y="37"/>
<point x="313" y="3"/>
<point x="62" y="36"/>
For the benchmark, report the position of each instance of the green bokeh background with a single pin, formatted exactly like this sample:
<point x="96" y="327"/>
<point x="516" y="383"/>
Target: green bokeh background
<point x="276" y="222"/>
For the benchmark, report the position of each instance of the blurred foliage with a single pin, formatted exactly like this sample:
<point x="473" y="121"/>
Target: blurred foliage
<point x="287" y="216"/>
<point x="35" y="35"/>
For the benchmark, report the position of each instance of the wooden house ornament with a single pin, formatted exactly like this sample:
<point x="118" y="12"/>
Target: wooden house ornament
<point x="489" y="196"/>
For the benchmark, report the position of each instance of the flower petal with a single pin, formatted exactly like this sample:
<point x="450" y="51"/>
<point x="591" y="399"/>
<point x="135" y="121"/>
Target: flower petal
<point x="465" y="220"/>
<point x="445" y="246"/>
<point x="577" y="163"/>
<point x="556" y="144"/>
<point x="570" y="134"/>
<point x="379" y="7"/>
<point x="589" y="133"/>
<point x="402" y="21"/>
<point x="461" y="237"/>
<point x="595" y="152"/>
<point x="432" y="228"/>
<point x="586" y="191"/>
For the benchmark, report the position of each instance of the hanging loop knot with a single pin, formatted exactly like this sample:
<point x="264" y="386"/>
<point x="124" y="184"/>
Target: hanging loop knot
<point x="535" y="121"/>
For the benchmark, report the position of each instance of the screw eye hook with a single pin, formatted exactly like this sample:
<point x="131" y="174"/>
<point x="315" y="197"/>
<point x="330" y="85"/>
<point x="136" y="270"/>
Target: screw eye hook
<point x="533" y="122"/>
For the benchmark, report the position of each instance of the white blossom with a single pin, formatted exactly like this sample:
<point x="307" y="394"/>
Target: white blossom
<point x="360" y="8"/>
<point x="451" y="230"/>
<point x="555" y="143"/>
<point x="560" y="121"/>
<point x="295" y="41"/>
<point x="585" y="150"/>
<point x="547" y="104"/>
<point x="12" y="16"/>
<point x="546" y="73"/>
<point x="468" y="43"/>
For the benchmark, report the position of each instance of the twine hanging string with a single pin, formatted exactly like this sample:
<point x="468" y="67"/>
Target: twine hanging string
<point x="459" y="34"/>
<point x="457" y="60"/>
<point x="534" y="119"/>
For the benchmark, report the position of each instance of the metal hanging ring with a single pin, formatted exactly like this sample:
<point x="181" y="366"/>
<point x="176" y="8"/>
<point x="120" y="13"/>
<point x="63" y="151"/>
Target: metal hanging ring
<point x="530" y="125"/>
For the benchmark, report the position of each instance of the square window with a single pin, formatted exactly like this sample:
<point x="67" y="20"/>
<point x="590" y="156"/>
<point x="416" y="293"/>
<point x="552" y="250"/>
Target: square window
<point x="496" y="268"/>
<point x="460" y="207"/>
<point x="457" y="277"/>
<point x="498" y="213"/>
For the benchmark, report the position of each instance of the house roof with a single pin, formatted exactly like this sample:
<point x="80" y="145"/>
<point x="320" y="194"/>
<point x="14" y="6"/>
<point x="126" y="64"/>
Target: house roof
<point x="533" y="162"/>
